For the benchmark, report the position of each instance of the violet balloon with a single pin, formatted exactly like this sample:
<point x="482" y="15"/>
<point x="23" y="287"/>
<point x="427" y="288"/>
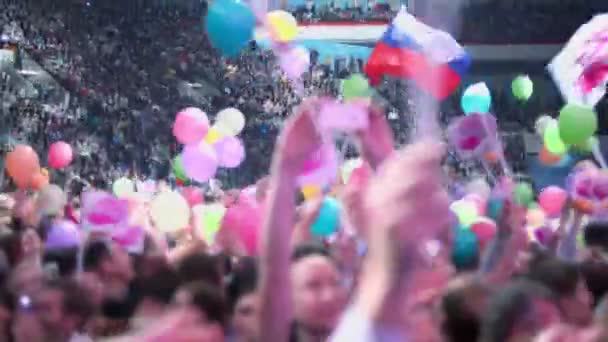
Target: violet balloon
<point x="62" y="235"/>
<point x="200" y="161"/>
<point x="230" y="152"/>
<point x="60" y="155"/>
<point x="191" y="126"/>
<point x="552" y="200"/>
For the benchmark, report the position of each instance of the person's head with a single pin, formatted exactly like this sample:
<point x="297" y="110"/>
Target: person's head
<point x="62" y="307"/>
<point x="208" y="302"/>
<point x="595" y="234"/>
<point x="318" y="293"/>
<point x="109" y="261"/>
<point x="518" y="312"/>
<point x="201" y="267"/>
<point x="462" y="307"/>
<point x="244" y="300"/>
<point x="595" y="273"/>
<point x="157" y="290"/>
<point x="565" y="281"/>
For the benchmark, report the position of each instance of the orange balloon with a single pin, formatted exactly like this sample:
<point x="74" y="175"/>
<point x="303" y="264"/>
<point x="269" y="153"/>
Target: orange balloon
<point x="22" y="164"/>
<point x="39" y="180"/>
<point x="583" y="205"/>
<point x="547" y="157"/>
<point x="491" y="157"/>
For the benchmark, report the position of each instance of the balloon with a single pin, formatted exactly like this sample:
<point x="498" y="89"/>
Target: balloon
<point x="523" y="194"/>
<point x="63" y="234"/>
<point x="244" y="220"/>
<point x="522" y="87"/>
<point x="478" y="186"/>
<point x="485" y="230"/>
<point x="170" y="211"/>
<point x="193" y="195"/>
<point x="348" y="167"/>
<point x="178" y="168"/>
<point x="479" y="201"/>
<point x="40" y="180"/>
<point x="22" y="164"/>
<point x="230" y="25"/>
<point x="587" y="145"/>
<point x="329" y="218"/>
<point x="355" y="86"/>
<point x="200" y="161"/>
<point x="230" y="121"/>
<point x="552" y="199"/>
<point x="213" y="135"/>
<point x="542" y="123"/>
<point x="209" y="218"/>
<point x="553" y="141"/>
<point x="282" y="25"/>
<point x="310" y="191"/>
<point x="294" y="61"/>
<point x="230" y="152"/>
<point x="60" y="155"/>
<point x="466" y="211"/>
<point x="576" y="123"/>
<point x="465" y="251"/>
<point x="548" y="158"/>
<point x="494" y="208"/>
<point x="191" y="126"/>
<point x="476" y="99"/>
<point x="123" y="187"/>
<point x="535" y="217"/>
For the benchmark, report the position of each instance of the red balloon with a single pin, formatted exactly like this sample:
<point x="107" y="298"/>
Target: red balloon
<point x="552" y="200"/>
<point x="39" y="180"/>
<point x="485" y="230"/>
<point x="193" y="195"/>
<point x="60" y="155"/>
<point x="22" y="164"/>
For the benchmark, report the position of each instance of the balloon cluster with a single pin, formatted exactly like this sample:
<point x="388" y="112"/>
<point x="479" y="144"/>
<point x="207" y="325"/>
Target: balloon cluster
<point x="207" y="147"/>
<point x="23" y="165"/>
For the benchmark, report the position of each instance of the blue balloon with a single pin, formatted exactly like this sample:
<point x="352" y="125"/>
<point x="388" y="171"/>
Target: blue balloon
<point x="329" y="218"/>
<point x="494" y="208"/>
<point x="465" y="252"/>
<point x="230" y="25"/>
<point x="475" y="104"/>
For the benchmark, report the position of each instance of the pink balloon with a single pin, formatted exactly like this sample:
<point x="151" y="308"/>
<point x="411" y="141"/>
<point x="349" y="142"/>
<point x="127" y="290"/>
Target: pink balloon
<point x="230" y="152"/>
<point x="244" y="220"/>
<point x="60" y="155"/>
<point x="479" y="201"/>
<point x="485" y="230"/>
<point x="193" y="195"/>
<point x="200" y="161"/>
<point x="552" y="200"/>
<point x="191" y="126"/>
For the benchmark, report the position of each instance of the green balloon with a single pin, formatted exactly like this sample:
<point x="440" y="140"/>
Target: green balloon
<point x="356" y="86"/>
<point x="587" y="146"/>
<point x="576" y="123"/>
<point x="553" y="141"/>
<point x="533" y="205"/>
<point x="178" y="169"/>
<point x="523" y="194"/>
<point x="522" y="87"/>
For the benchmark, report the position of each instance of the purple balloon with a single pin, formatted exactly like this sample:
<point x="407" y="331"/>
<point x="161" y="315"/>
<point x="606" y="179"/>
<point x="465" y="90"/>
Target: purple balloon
<point x="63" y="234"/>
<point x="200" y="161"/>
<point x="230" y="152"/>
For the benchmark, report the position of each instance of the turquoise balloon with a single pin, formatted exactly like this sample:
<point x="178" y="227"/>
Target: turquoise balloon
<point x="230" y="25"/>
<point x="329" y="218"/>
<point x="465" y="252"/>
<point x="494" y="208"/>
<point x="475" y="104"/>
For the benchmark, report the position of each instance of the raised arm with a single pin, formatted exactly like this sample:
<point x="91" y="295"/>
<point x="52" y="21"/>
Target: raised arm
<point x="296" y="143"/>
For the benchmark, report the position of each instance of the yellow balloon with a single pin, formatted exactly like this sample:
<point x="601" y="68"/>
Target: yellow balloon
<point x="535" y="217"/>
<point x="170" y="211"/>
<point x="310" y="191"/>
<point x="209" y="219"/>
<point x="283" y="26"/>
<point x="466" y="211"/>
<point x="229" y="122"/>
<point x="213" y="135"/>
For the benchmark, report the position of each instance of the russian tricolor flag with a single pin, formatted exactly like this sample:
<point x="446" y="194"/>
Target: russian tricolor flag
<point x="409" y="49"/>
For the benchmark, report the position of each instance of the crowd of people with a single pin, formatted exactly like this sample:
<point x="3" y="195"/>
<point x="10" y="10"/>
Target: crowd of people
<point x="399" y="263"/>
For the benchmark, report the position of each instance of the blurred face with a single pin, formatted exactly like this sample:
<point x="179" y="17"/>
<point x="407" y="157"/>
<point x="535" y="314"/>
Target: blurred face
<point x="577" y="308"/>
<point x="214" y="332"/>
<point x="48" y="304"/>
<point x="245" y="318"/>
<point x="119" y="264"/>
<point x="319" y="296"/>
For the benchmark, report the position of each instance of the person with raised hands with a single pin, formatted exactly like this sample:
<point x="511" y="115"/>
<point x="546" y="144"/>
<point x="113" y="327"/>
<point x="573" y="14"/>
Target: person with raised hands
<point x="407" y="206"/>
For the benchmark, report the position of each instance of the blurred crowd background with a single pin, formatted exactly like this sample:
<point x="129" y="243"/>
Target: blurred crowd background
<point x="112" y="74"/>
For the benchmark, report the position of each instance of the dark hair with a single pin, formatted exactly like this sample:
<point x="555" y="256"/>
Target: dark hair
<point x="159" y="286"/>
<point x="243" y="280"/>
<point x="76" y="301"/>
<point x="209" y="300"/>
<point x="595" y="274"/>
<point x="94" y="254"/>
<point x="559" y="276"/>
<point x="510" y="305"/>
<point x="66" y="260"/>
<point x="462" y="320"/>
<point x="307" y="249"/>
<point x="595" y="234"/>
<point x="200" y="267"/>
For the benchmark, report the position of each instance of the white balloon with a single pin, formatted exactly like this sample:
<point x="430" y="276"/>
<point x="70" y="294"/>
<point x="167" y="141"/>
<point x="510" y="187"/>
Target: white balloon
<point x="230" y="121"/>
<point x="542" y="123"/>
